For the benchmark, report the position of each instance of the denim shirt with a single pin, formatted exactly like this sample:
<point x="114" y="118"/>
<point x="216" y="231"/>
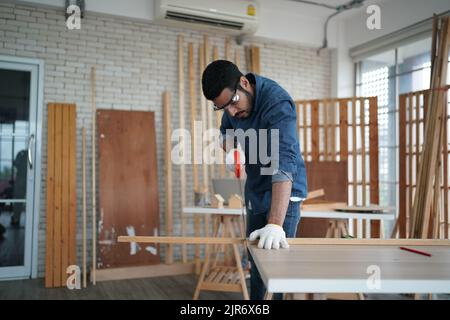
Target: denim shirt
<point x="273" y="108"/>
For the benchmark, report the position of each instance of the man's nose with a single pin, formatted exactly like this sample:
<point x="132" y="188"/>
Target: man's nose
<point x="232" y="110"/>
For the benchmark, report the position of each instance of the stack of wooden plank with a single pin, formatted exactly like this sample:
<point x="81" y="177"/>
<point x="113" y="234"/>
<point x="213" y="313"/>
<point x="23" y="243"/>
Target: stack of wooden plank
<point x="428" y="183"/>
<point x="61" y="194"/>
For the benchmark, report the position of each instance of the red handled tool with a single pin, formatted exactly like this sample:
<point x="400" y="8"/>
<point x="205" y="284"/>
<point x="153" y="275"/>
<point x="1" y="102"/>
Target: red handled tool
<point x="237" y="164"/>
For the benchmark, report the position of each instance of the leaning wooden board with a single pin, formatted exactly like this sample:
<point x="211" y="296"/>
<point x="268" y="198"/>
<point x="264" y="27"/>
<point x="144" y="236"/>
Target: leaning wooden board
<point x="61" y="193"/>
<point x="331" y="176"/>
<point x="128" y="186"/>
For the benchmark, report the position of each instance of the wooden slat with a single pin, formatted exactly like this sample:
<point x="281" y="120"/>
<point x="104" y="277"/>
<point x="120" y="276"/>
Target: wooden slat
<point x="363" y="150"/>
<point x="65" y="194"/>
<point x="201" y="62"/>
<point x="228" y="49"/>
<point x="305" y="131"/>
<point x="84" y="214"/>
<point x="193" y="113"/>
<point x="50" y="210"/>
<point x="333" y="130"/>
<point x="417" y="125"/>
<point x="58" y="198"/>
<point x="445" y="177"/>
<point x="61" y="193"/>
<point x="212" y="275"/>
<point x="93" y="177"/>
<point x="402" y="216"/>
<point x="354" y="157"/>
<point x="410" y="155"/>
<point x="248" y="58"/>
<point x="325" y="125"/>
<point x="219" y="114"/>
<point x="72" y="186"/>
<point x="315" y="145"/>
<point x="209" y="108"/>
<point x="291" y="241"/>
<point x="255" y="59"/>
<point x="181" y="107"/>
<point x="343" y="130"/>
<point x="432" y="131"/>
<point x="373" y="160"/>
<point x="168" y="174"/>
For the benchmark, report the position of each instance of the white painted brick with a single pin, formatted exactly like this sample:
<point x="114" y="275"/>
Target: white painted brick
<point x="7" y="15"/>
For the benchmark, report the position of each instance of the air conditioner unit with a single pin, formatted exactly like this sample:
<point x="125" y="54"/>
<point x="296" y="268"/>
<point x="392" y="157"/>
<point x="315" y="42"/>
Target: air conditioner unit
<point x="231" y="16"/>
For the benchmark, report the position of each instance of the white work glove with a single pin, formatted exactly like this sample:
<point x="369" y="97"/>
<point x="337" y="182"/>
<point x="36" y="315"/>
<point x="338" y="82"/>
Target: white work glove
<point x="271" y="236"/>
<point x="229" y="160"/>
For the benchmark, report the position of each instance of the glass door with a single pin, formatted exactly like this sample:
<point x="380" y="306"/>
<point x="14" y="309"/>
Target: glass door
<point x="18" y="100"/>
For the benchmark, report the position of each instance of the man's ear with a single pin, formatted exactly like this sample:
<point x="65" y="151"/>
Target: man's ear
<point x="244" y="82"/>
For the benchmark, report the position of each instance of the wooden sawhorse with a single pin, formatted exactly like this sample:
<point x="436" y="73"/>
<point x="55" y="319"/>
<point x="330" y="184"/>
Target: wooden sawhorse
<point x="214" y="277"/>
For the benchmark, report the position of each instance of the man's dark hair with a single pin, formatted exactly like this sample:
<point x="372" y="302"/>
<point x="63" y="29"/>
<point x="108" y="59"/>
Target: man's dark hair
<point x="219" y="75"/>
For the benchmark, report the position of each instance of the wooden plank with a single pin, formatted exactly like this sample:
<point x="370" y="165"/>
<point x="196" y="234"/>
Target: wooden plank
<point x="333" y="130"/>
<point x="315" y="194"/>
<point x="325" y="126"/>
<point x="343" y="129"/>
<point x="291" y="241"/>
<point x="72" y="185"/>
<point x="402" y="216"/>
<point x="354" y="156"/>
<point x="228" y="49"/>
<point x="209" y="107"/>
<point x="168" y="174"/>
<point x="305" y="131"/>
<point x="140" y="272"/>
<point x="363" y="149"/>
<point x="410" y="155"/>
<point x="129" y="198"/>
<point x="84" y="216"/>
<point x="193" y="104"/>
<point x="61" y="193"/>
<point x="445" y="168"/>
<point x="181" y="107"/>
<point x="299" y="127"/>
<point x="248" y="58"/>
<point x="422" y="204"/>
<point x="255" y="59"/>
<point x="331" y="177"/>
<point x="219" y="114"/>
<point x="315" y="146"/>
<point x="50" y="209"/>
<point x="417" y="127"/>
<point x="65" y="193"/>
<point x="373" y="160"/>
<point x="58" y="198"/>
<point x="201" y="62"/>
<point x="93" y="178"/>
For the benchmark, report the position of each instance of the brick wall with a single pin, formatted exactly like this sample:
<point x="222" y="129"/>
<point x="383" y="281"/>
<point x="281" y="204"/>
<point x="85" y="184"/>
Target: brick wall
<point x="135" y="63"/>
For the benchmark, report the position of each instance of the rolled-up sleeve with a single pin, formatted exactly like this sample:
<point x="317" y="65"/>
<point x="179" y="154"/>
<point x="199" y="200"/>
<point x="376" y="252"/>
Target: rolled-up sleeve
<point x="283" y="117"/>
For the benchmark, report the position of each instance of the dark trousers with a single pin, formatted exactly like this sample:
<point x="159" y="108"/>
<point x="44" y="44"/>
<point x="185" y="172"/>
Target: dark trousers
<point x="258" y="221"/>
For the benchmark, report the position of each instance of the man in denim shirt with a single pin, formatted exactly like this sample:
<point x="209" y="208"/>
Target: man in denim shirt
<point x="274" y="188"/>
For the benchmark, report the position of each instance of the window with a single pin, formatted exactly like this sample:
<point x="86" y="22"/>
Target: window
<point x="387" y="75"/>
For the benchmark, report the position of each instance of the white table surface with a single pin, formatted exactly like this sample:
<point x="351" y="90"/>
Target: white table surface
<point x="339" y="268"/>
<point x="304" y="214"/>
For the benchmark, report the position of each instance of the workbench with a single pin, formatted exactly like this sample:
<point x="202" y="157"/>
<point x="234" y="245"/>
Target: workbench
<point x="337" y="268"/>
<point x="330" y="214"/>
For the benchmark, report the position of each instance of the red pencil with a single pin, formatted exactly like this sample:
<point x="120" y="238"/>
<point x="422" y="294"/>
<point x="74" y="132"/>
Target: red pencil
<point x="416" y="251"/>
